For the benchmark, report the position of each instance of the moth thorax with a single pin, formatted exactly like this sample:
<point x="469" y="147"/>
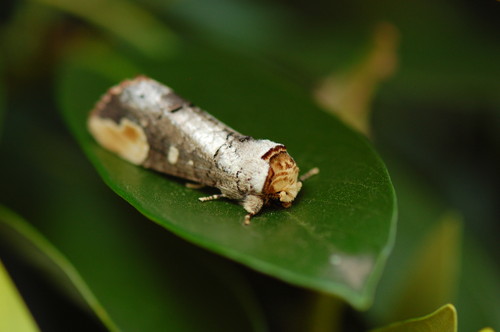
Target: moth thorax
<point x="282" y="179"/>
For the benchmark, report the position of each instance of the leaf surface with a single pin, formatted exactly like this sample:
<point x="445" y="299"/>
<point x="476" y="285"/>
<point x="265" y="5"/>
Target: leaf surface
<point x="337" y="235"/>
<point x="444" y="320"/>
<point x="14" y="315"/>
<point x="128" y="292"/>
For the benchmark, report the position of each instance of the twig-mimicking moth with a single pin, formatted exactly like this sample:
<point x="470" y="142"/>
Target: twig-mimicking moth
<point x="147" y="124"/>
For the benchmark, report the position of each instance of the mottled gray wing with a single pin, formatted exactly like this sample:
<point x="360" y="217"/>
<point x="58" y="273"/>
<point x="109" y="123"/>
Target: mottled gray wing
<point x="183" y="140"/>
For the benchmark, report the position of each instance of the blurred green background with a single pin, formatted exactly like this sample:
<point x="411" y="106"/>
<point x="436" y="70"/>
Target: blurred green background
<point x="421" y="80"/>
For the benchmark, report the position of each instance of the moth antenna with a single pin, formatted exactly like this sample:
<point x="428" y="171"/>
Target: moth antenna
<point x="308" y="174"/>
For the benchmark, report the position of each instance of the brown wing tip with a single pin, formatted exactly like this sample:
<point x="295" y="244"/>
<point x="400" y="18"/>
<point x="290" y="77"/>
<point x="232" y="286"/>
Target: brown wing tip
<point x="127" y="82"/>
<point x="273" y="152"/>
<point x="141" y="77"/>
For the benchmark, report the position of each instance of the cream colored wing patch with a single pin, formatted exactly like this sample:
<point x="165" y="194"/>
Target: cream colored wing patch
<point x="126" y="139"/>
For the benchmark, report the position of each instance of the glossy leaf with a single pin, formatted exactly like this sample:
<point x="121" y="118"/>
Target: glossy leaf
<point x="443" y="320"/>
<point x="339" y="232"/>
<point x="14" y="315"/>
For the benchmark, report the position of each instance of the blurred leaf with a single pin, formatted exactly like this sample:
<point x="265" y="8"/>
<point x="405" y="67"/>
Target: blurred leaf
<point x="419" y="208"/>
<point x="14" y="315"/>
<point x="126" y="20"/>
<point x="450" y="58"/>
<point x="24" y="40"/>
<point x="2" y="98"/>
<point x="326" y="313"/>
<point x="336" y="237"/>
<point x="327" y="40"/>
<point x="349" y="93"/>
<point x="41" y="253"/>
<point x="431" y="276"/>
<point x="442" y="320"/>
<point x="477" y="295"/>
<point x="247" y="24"/>
<point x="478" y="299"/>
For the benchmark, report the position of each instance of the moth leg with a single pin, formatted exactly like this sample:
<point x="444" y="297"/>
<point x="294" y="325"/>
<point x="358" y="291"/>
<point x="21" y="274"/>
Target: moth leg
<point x="211" y="198"/>
<point x="192" y="185"/>
<point x="308" y="174"/>
<point x="252" y="204"/>
<point x="248" y="216"/>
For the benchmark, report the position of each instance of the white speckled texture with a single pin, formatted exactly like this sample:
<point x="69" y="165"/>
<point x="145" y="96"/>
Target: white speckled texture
<point x="185" y="141"/>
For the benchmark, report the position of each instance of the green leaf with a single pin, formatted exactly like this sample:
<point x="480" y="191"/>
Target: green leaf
<point x="478" y="299"/>
<point x="339" y="232"/>
<point x="2" y="98"/>
<point x="40" y="252"/>
<point x="276" y="30"/>
<point x="431" y="71"/>
<point x="123" y="18"/>
<point x="431" y="277"/>
<point x="442" y="320"/>
<point x="477" y="293"/>
<point x="418" y="208"/>
<point x="125" y="299"/>
<point x="14" y="315"/>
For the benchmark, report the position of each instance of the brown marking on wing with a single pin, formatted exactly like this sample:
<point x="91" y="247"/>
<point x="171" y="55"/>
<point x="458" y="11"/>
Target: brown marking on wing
<point x="273" y="152"/>
<point x="282" y="169"/>
<point x="131" y="133"/>
<point x="127" y="139"/>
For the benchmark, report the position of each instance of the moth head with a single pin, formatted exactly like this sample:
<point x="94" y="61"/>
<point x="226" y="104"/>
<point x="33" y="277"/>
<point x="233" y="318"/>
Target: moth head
<point x="282" y="183"/>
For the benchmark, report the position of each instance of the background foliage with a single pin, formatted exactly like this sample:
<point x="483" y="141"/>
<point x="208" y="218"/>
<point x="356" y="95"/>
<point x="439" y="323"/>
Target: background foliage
<point x="418" y="79"/>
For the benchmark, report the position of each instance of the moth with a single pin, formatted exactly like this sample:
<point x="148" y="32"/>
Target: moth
<point x="147" y="124"/>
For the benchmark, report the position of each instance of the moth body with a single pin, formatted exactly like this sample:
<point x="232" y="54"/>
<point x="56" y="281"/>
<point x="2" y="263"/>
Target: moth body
<point x="147" y="124"/>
